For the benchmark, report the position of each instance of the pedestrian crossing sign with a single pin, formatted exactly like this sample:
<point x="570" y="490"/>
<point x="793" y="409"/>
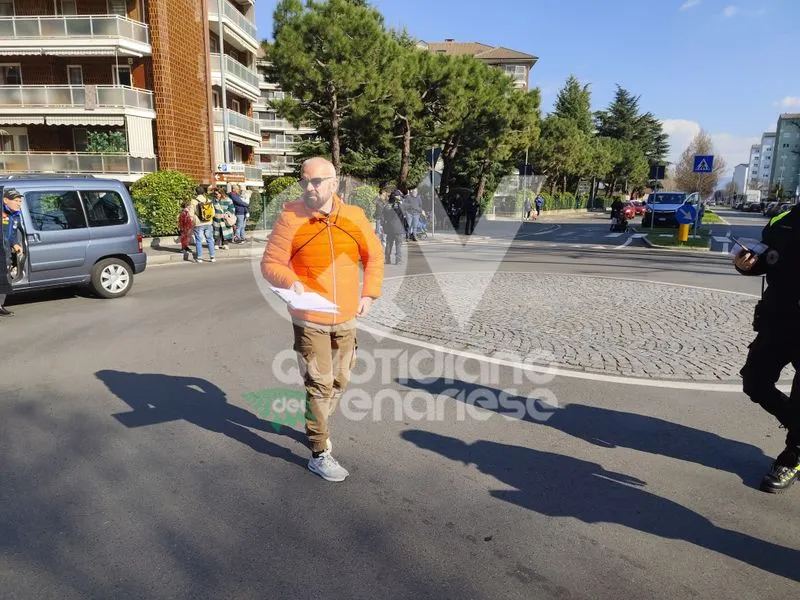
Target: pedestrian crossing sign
<point x="703" y="163"/>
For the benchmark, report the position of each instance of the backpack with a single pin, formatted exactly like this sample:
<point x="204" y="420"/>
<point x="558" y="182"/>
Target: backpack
<point x="205" y="211"/>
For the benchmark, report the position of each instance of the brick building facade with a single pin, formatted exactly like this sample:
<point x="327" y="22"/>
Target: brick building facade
<point x="144" y="70"/>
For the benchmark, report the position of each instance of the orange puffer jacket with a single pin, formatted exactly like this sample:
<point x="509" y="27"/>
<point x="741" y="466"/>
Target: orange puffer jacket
<point x="323" y="254"/>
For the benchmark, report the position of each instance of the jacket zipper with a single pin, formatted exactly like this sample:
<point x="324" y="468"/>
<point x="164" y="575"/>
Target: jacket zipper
<point x="333" y="264"/>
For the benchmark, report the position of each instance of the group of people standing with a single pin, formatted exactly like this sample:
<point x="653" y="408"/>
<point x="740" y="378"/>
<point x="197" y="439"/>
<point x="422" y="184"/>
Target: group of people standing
<point x="213" y="215"/>
<point x="398" y="217"/>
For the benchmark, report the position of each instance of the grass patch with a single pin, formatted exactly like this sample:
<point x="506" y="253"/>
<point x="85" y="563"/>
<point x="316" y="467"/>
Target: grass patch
<point x="711" y="218"/>
<point x="671" y="231"/>
<point x="672" y="241"/>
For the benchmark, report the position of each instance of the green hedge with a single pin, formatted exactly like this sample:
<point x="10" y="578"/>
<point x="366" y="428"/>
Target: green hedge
<point x="364" y="197"/>
<point x="157" y="198"/>
<point x="564" y="201"/>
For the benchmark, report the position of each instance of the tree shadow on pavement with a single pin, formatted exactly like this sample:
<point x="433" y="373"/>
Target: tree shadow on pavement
<point x="561" y="486"/>
<point x="157" y="398"/>
<point x="611" y="429"/>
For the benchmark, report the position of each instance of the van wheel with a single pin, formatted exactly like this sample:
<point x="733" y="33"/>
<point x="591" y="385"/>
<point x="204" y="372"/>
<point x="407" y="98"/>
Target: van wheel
<point x="112" y="278"/>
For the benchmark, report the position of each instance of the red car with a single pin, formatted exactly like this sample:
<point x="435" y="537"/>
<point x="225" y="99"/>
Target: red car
<point x="629" y="210"/>
<point x="639" y="207"/>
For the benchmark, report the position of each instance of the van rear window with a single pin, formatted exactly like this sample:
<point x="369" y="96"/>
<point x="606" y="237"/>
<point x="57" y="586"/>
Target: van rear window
<point x="104" y="209"/>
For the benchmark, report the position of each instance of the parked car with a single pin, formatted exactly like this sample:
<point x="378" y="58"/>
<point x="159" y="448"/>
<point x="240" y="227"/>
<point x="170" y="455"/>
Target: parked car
<point x="661" y="207"/>
<point x="79" y="230"/>
<point x="639" y="207"/>
<point x="769" y="207"/>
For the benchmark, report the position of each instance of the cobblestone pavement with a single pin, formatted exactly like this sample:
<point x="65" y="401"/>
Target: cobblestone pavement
<point x="592" y="324"/>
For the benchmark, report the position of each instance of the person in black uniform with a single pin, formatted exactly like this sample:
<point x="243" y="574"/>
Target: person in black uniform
<point x="12" y="239"/>
<point x="471" y="208"/>
<point x="777" y="344"/>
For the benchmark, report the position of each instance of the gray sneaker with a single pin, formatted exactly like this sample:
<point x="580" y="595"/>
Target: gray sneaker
<point x="327" y="467"/>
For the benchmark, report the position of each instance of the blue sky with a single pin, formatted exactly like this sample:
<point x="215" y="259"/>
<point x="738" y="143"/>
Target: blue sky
<point x="728" y="66"/>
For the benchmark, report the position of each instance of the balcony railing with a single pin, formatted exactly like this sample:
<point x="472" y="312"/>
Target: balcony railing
<point x="252" y="173"/>
<point x="234" y="15"/>
<point x="275" y="145"/>
<point x="75" y="162"/>
<point x="237" y="121"/>
<point x="235" y="68"/>
<point x="95" y="26"/>
<point x="74" y="96"/>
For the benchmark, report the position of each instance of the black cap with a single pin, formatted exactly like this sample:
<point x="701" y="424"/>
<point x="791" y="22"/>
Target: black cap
<point x="11" y="193"/>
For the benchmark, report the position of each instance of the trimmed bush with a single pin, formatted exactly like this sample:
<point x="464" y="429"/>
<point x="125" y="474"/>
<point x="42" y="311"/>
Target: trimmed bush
<point x="277" y="193"/>
<point x="364" y="197"/>
<point x="157" y="198"/>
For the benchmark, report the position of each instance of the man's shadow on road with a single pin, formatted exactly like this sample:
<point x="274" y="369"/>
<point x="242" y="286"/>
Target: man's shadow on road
<point x="157" y="398"/>
<point x="561" y="486"/>
<point x="611" y="429"/>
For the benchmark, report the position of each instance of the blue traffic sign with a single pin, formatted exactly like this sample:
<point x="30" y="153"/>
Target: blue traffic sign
<point x="703" y="163"/>
<point x="686" y="214"/>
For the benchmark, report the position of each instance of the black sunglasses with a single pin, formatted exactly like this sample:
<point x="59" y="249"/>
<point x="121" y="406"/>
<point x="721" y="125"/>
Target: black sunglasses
<point x="315" y="181"/>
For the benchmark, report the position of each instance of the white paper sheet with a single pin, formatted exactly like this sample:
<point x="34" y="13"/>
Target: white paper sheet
<point x="306" y="301"/>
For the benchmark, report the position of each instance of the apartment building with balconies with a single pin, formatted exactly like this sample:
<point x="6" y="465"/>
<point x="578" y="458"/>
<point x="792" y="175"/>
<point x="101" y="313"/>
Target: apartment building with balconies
<point x="278" y="152"/>
<point x="234" y="48"/>
<point x="120" y="88"/>
<point x="74" y="93"/>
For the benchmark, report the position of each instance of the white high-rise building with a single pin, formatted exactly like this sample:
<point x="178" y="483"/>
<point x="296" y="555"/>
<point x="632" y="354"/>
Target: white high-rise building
<point x="755" y="165"/>
<point x="767" y="151"/>
<point x="740" y="177"/>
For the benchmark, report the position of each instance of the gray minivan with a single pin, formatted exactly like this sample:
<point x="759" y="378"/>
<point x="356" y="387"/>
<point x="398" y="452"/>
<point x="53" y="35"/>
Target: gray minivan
<point x="79" y="230"/>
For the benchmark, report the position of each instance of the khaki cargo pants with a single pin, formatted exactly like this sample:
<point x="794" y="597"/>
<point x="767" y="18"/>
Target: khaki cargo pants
<point x="326" y="355"/>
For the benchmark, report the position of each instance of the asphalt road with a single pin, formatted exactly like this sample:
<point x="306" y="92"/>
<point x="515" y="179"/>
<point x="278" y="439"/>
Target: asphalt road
<point x="133" y="466"/>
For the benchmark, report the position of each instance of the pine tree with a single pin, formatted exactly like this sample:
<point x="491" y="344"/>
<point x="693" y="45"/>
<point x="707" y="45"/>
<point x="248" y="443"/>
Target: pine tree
<point x="331" y="57"/>
<point x="574" y="104"/>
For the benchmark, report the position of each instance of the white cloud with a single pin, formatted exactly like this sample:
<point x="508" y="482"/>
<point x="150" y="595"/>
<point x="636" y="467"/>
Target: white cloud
<point x="689" y="4"/>
<point x="735" y="149"/>
<point x="790" y="102"/>
<point x="730" y="11"/>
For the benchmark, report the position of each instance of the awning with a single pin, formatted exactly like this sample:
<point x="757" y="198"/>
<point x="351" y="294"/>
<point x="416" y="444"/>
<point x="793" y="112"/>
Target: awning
<point x="242" y="140"/>
<point x="20" y="51"/>
<point x="86" y="120"/>
<point x="21" y="120"/>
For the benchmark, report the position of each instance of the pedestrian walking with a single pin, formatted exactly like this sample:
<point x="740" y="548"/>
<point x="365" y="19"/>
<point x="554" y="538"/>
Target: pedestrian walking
<point x="202" y="210"/>
<point x="395" y="232"/>
<point x="412" y="206"/>
<point x="13" y="235"/>
<point x="776" y="321"/>
<point x="224" y="218"/>
<point x="186" y="229"/>
<point x="539" y="205"/>
<point x="471" y="208"/>
<point x="381" y="202"/>
<point x="241" y="208"/>
<point x="316" y="244"/>
<point x="527" y="208"/>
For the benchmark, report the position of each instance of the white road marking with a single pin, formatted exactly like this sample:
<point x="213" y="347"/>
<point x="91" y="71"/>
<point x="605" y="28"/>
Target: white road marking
<point x="627" y="243"/>
<point x="614" y="235"/>
<point x="546" y="231"/>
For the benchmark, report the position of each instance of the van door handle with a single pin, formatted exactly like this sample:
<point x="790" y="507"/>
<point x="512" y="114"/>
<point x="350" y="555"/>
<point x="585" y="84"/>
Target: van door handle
<point x="34" y="237"/>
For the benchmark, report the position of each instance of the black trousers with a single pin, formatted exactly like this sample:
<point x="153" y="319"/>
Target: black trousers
<point x="770" y="353"/>
<point x="470" y="227"/>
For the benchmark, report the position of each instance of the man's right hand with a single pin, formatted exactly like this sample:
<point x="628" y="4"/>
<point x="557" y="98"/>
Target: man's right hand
<point x="298" y="288"/>
<point x="745" y="260"/>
